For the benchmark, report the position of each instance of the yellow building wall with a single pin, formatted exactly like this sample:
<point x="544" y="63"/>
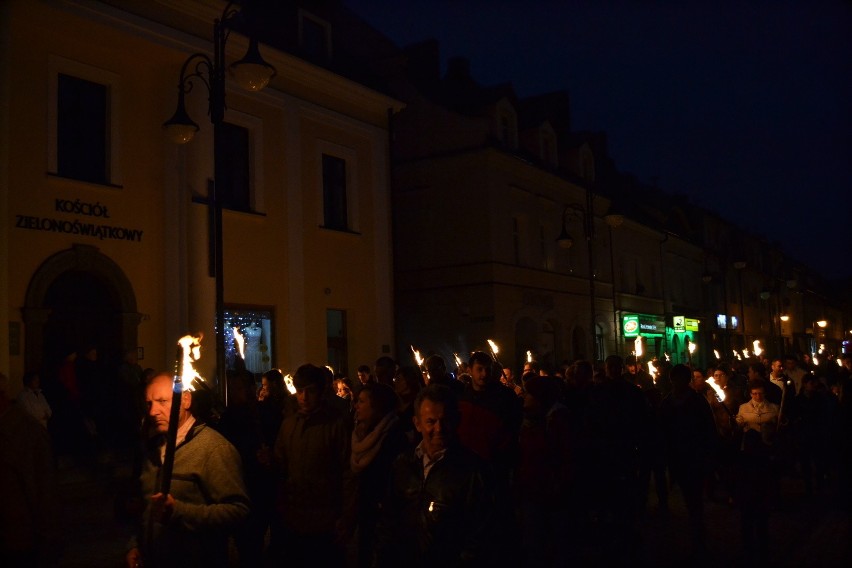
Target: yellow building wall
<point x="278" y="258"/>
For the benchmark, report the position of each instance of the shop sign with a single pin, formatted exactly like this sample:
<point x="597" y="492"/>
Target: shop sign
<point x="682" y="324"/>
<point x="635" y="324"/>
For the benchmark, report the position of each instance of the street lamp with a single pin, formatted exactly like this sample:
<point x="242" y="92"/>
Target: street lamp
<point x="739" y="265"/>
<point x="565" y="241"/>
<point x="251" y="73"/>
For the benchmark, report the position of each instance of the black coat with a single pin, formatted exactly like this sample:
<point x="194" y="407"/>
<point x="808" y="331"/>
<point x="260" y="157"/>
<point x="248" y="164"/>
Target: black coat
<point x="442" y="520"/>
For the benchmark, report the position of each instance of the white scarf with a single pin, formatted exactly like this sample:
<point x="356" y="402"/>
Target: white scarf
<point x="366" y="448"/>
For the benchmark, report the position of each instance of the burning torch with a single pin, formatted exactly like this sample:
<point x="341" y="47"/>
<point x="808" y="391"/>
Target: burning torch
<point x="494" y="351"/>
<point x="188" y="352"/>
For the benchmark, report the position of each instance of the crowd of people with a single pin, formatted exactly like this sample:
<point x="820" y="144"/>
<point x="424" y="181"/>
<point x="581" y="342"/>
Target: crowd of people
<point x="481" y="466"/>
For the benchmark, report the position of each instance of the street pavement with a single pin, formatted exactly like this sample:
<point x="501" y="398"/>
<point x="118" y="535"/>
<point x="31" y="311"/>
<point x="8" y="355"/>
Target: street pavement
<point x="803" y="530"/>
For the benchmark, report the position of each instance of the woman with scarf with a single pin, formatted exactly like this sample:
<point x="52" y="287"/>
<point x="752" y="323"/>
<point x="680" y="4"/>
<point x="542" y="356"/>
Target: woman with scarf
<point x="376" y="441"/>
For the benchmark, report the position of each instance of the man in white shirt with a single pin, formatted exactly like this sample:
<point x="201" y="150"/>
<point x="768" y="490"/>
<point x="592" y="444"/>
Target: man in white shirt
<point x="32" y="399"/>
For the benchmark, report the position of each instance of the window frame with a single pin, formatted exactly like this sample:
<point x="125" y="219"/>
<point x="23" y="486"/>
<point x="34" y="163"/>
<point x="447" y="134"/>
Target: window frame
<point x="349" y="157"/>
<point x="58" y="65"/>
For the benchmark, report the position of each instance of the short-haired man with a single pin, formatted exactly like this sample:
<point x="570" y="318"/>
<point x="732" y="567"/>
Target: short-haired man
<point x="794" y="371"/>
<point x="438" y="509"/>
<point x="207" y="499"/>
<point x="312" y="459"/>
<point x="385" y="370"/>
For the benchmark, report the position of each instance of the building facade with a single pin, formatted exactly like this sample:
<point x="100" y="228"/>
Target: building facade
<point x="106" y="223"/>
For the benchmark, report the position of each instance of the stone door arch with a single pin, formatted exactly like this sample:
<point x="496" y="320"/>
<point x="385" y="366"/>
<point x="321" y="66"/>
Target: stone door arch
<point x="51" y="286"/>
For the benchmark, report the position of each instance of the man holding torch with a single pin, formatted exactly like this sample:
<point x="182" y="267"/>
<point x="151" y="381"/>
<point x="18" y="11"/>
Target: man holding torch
<point x="207" y="497"/>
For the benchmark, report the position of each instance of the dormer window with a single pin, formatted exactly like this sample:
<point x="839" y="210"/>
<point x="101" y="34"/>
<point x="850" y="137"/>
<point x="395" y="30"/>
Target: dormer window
<point x="507" y="124"/>
<point x="547" y="145"/>
<point x="314" y="37"/>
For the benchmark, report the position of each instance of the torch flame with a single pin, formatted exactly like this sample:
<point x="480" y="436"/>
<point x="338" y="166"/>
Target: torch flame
<point x="815" y="358"/>
<point x="720" y="394"/>
<point x="757" y="349"/>
<point x="494" y="348"/>
<point x="637" y="346"/>
<point x="330" y="368"/>
<point x="417" y="356"/>
<point x="692" y="348"/>
<point x="716" y="353"/>
<point x="458" y="360"/>
<point x="191" y="347"/>
<point x="739" y="357"/>
<point x="745" y="353"/>
<point x="288" y="382"/>
<point x="529" y="357"/>
<point x="668" y="357"/>
<point x="839" y="362"/>
<point x="241" y="342"/>
<point x="652" y="370"/>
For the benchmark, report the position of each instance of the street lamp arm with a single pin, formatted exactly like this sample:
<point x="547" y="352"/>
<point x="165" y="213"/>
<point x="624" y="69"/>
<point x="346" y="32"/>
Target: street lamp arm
<point x="203" y="64"/>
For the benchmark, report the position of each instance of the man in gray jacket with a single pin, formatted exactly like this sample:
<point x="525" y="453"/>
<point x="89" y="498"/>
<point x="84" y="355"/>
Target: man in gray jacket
<point x="208" y="498"/>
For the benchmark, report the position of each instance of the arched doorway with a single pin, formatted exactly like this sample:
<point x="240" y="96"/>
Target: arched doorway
<point x="79" y="297"/>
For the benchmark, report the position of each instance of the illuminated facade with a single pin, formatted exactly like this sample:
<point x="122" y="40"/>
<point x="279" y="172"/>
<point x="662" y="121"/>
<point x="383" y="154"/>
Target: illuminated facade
<point x="105" y="223"/>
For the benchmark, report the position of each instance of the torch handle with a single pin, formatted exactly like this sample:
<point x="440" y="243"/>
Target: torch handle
<point x="171" y="437"/>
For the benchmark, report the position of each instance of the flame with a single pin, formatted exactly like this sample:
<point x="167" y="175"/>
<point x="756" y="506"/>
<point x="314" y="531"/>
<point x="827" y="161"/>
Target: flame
<point x="637" y="346"/>
<point x="757" y="348"/>
<point x="241" y="342"/>
<point x="668" y="357"/>
<point x="652" y="370"/>
<point x="330" y="368"/>
<point x="716" y="353"/>
<point x="745" y="353"/>
<point x="458" y="360"/>
<point x="691" y="348"/>
<point x="739" y="358"/>
<point x="720" y="394"/>
<point x="494" y="349"/>
<point x="839" y="362"/>
<point x="529" y="357"/>
<point x="821" y="348"/>
<point x="191" y="347"/>
<point x="815" y="359"/>
<point x="288" y="382"/>
<point x="417" y="356"/>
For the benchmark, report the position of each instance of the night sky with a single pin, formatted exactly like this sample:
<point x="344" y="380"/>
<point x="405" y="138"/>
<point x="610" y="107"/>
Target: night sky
<point x="743" y="106"/>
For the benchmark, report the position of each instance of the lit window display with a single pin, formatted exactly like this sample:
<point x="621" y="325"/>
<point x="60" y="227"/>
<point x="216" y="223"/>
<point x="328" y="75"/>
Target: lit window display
<point x="253" y="330"/>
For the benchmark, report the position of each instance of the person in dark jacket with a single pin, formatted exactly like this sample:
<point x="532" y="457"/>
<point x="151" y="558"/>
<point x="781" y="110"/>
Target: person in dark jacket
<point x="376" y="442"/>
<point x="438" y="511"/>
<point x="314" y="484"/>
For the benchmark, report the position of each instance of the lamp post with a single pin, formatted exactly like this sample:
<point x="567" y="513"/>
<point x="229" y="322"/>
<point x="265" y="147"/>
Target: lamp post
<point x="565" y="241"/>
<point x="251" y="73"/>
<point x="739" y="265"/>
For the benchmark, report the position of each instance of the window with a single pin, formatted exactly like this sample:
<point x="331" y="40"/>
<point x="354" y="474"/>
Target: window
<point x="255" y="326"/>
<point x="336" y="340"/>
<point x="314" y="38"/>
<point x="82" y="129"/>
<point x="542" y="242"/>
<point x="335" y="214"/>
<point x="83" y="132"/>
<point x="234" y="153"/>
<point x="516" y="239"/>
